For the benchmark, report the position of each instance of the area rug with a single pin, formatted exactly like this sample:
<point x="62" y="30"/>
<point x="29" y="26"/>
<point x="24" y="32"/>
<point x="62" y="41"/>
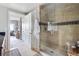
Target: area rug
<point x="14" y="52"/>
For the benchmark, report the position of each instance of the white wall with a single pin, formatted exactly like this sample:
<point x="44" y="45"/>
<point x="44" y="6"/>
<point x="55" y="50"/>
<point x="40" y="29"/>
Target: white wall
<point x="15" y="15"/>
<point x="4" y="24"/>
<point x="3" y="19"/>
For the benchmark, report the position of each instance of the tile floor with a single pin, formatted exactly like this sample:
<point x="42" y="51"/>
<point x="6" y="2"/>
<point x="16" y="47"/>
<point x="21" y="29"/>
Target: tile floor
<point x="22" y="46"/>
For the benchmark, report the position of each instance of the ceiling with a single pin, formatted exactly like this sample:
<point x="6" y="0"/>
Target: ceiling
<point x="21" y="7"/>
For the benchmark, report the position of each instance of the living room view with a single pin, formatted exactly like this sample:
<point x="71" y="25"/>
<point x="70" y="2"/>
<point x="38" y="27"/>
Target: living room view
<point x="39" y="29"/>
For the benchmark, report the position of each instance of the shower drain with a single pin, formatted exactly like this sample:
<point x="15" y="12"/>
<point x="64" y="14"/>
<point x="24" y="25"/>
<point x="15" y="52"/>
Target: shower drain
<point x="51" y="51"/>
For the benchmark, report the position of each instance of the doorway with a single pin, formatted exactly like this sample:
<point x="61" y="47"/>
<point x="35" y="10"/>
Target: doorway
<point x="14" y="29"/>
<point x="20" y="33"/>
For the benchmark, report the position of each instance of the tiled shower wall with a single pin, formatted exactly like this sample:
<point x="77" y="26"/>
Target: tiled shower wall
<point x="57" y="12"/>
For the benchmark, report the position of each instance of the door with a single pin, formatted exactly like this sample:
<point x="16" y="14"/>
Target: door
<point x="26" y="29"/>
